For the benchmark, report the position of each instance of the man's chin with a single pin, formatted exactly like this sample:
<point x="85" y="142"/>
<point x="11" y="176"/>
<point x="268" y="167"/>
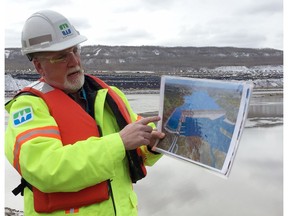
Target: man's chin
<point x="74" y="86"/>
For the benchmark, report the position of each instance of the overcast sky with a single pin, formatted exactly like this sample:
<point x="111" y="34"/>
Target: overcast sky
<point x="238" y="23"/>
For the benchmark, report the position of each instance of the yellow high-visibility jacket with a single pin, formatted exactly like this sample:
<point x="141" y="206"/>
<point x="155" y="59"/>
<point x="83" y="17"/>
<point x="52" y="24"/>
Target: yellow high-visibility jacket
<point x="51" y="167"/>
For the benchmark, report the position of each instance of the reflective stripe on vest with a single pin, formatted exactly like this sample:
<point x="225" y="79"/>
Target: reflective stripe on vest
<point x="50" y="131"/>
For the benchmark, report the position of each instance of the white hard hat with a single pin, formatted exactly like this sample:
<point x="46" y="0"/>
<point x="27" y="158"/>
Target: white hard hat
<point x="48" y="31"/>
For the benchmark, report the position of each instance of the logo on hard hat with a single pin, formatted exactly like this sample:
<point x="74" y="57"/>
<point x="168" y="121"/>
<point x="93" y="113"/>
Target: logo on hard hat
<point x="66" y="31"/>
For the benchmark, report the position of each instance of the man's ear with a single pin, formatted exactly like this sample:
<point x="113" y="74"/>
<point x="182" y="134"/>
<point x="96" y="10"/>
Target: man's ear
<point x="38" y="66"/>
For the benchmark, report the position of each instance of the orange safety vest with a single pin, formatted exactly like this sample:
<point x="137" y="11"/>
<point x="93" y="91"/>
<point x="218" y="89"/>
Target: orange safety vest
<point x="80" y="127"/>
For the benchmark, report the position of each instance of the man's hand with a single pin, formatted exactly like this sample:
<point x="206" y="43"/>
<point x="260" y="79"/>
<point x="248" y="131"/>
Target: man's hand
<point x="155" y="135"/>
<point x="139" y="133"/>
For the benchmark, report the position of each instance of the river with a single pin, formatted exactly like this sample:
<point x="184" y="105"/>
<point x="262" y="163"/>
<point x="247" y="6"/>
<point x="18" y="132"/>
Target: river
<point x="175" y="187"/>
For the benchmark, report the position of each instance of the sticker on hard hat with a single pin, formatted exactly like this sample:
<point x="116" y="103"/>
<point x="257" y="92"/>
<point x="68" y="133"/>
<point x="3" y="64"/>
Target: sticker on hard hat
<point x="22" y="116"/>
<point x="64" y="28"/>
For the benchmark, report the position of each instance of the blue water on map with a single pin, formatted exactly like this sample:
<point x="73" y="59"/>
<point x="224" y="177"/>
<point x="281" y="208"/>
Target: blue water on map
<point x="203" y="102"/>
<point x="217" y="131"/>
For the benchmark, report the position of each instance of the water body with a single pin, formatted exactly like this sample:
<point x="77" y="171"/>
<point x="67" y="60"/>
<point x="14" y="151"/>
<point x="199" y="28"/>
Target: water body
<point x="175" y="187"/>
<point x="254" y="187"/>
<point x="266" y="105"/>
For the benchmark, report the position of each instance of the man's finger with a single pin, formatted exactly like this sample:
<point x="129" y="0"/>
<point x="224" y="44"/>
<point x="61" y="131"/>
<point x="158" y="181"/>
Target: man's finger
<point x="157" y="134"/>
<point x="147" y="120"/>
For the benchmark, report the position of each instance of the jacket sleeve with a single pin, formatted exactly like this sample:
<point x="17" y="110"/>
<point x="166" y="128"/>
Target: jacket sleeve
<point x="36" y="151"/>
<point x="149" y="157"/>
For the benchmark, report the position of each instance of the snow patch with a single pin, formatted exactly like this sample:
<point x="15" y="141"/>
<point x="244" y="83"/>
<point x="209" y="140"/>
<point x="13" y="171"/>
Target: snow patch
<point x="12" y="84"/>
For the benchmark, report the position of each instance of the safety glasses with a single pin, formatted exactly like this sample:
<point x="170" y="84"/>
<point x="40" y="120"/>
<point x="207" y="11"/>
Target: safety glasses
<point x="63" y="56"/>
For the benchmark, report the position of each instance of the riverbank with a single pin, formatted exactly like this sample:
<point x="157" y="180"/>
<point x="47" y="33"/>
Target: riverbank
<point x="256" y="91"/>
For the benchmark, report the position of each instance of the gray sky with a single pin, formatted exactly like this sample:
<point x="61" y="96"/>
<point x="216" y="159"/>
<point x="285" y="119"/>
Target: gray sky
<point x="241" y="23"/>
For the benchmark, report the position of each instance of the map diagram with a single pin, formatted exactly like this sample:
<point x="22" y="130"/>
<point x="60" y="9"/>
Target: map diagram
<point x="203" y="120"/>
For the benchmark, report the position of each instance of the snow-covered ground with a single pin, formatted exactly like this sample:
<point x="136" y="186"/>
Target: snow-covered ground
<point x="14" y="84"/>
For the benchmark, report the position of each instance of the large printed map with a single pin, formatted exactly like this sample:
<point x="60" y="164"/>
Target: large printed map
<point x="202" y="120"/>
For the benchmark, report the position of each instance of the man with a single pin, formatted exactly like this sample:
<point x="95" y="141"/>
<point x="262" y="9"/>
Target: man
<point x="74" y="140"/>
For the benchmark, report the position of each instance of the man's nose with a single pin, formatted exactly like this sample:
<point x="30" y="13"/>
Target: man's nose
<point x="73" y="58"/>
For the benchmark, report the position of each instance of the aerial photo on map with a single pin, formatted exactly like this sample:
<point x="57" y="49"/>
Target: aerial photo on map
<point x="203" y="119"/>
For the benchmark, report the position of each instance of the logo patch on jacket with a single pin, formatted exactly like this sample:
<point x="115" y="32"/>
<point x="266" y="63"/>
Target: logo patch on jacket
<point x="22" y="116"/>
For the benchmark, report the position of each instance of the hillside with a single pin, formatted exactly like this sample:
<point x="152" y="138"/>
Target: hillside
<point x="142" y="66"/>
<point x="158" y="59"/>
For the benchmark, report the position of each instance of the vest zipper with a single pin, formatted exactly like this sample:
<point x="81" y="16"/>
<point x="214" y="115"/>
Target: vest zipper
<point x="111" y="194"/>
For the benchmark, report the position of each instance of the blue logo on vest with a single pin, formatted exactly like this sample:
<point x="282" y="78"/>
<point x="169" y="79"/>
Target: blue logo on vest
<point x="22" y="116"/>
<point x="66" y="31"/>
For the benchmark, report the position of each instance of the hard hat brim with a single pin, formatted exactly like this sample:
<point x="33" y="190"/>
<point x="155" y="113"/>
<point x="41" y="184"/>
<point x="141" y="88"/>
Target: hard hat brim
<point x="55" y="47"/>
